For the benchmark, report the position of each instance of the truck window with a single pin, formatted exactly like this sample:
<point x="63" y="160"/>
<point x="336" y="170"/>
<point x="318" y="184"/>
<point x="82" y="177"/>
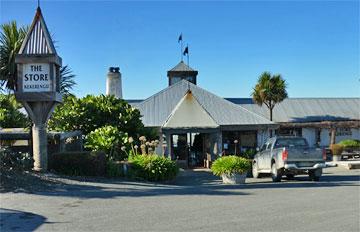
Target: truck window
<point x="263" y="147"/>
<point x="290" y="142"/>
<point x="268" y="147"/>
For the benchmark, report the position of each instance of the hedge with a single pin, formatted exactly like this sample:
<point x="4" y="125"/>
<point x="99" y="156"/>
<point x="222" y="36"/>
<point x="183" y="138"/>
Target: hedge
<point x="79" y="163"/>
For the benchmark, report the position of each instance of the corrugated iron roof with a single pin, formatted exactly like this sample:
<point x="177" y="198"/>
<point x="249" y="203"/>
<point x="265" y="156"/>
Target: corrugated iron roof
<point x="182" y="67"/>
<point x="38" y="39"/>
<point x="307" y="109"/>
<point x="157" y="108"/>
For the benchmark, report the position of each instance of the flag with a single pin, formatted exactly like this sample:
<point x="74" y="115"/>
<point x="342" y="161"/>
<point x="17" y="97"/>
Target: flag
<point x="186" y="51"/>
<point x="180" y="38"/>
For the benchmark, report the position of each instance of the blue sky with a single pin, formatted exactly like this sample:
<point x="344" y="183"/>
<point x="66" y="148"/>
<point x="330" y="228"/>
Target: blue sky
<point x="314" y="45"/>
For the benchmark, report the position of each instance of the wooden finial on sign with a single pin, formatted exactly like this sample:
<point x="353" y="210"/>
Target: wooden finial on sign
<point x="38" y="10"/>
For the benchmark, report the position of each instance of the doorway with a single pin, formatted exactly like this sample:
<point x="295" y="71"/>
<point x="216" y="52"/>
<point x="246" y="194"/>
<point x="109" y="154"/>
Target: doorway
<point x="188" y="149"/>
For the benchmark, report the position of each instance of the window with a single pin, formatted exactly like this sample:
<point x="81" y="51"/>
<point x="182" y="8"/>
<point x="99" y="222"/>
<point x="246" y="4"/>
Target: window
<point x="290" y="142"/>
<point x="268" y="147"/>
<point x="175" y="80"/>
<point x="191" y="79"/>
<point x="263" y="147"/>
<point x="289" y="131"/>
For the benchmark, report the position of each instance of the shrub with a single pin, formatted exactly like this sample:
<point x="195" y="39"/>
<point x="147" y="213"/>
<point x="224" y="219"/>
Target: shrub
<point x="249" y="154"/>
<point x="230" y="165"/>
<point x="114" y="169"/>
<point x="109" y="140"/>
<point x="336" y="149"/>
<point x="350" y="143"/>
<point x="153" y="168"/>
<point x="15" y="160"/>
<point x="10" y="115"/>
<point x="79" y="163"/>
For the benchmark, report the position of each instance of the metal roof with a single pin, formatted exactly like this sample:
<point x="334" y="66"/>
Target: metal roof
<point x="38" y="39"/>
<point x="307" y="109"/>
<point x="157" y="108"/>
<point x="182" y="67"/>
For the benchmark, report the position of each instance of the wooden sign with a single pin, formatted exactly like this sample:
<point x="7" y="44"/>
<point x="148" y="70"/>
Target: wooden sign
<point x="36" y="78"/>
<point x="38" y="84"/>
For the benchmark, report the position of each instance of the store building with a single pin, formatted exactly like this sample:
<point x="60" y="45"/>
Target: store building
<point x="197" y="125"/>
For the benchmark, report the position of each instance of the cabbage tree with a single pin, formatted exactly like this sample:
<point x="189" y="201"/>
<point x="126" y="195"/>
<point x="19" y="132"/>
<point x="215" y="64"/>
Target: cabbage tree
<point x="269" y="90"/>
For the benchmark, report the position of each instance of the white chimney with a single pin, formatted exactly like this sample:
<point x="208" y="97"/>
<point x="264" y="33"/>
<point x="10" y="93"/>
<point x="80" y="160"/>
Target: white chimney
<point x="113" y="82"/>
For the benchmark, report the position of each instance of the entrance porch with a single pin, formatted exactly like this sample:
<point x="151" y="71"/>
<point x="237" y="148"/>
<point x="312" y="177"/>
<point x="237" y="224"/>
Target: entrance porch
<point x="193" y="148"/>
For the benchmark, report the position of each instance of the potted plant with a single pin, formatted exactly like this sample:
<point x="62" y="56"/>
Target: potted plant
<point x="232" y="169"/>
<point x="336" y="151"/>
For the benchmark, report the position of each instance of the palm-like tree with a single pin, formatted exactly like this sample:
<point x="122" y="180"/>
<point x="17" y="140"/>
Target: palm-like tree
<point x="269" y="90"/>
<point x="67" y="81"/>
<point x="11" y="38"/>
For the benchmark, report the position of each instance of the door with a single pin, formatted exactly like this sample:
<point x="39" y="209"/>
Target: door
<point x="267" y="156"/>
<point x="180" y="147"/>
<point x="197" y="156"/>
<point x="262" y="151"/>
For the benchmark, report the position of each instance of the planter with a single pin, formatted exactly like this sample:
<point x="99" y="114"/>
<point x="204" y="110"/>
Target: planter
<point x="235" y="178"/>
<point x="336" y="157"/>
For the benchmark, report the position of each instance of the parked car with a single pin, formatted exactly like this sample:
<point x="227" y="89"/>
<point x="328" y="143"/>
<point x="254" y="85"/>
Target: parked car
<point x="288" y="156"/>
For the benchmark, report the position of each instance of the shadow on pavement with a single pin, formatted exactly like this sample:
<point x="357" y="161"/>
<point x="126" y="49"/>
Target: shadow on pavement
<point x="13" y="220"/>
<point x="303" y="182"/>
<point x="189" y="182"/>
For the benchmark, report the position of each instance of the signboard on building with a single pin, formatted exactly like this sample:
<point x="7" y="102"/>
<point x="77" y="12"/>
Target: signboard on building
<point x="36" y="77"/>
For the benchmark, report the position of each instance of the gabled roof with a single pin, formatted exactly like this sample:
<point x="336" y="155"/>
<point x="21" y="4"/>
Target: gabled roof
<point x="189" y="114"/>
<point x="307" y="109"/>
<point x="181" y="67"/>
<point x="157" y="108"/>
<point x="38" y="39"/>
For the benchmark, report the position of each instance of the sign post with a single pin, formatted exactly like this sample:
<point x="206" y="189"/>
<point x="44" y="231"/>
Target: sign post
<point x="38" y="84"/>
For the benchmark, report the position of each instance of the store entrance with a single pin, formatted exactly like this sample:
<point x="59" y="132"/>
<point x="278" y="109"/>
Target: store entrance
<point x="188" y="149"/>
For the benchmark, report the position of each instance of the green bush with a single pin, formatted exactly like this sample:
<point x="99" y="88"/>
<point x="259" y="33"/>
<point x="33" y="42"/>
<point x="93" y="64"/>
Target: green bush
<point x="114" y="169"/>
<point x="350" y="143"/>
<point x="230" y="165"/>
<point x="336" y="149"/>
<point x="79" y="163"/>
<point x="153" y="168"/>
<point x="10" y="115"/>
<point x="91" y="112"/>
<point x="248" y="154"/>
<point x="109" y="140"/>
<point x="15" y="160"/>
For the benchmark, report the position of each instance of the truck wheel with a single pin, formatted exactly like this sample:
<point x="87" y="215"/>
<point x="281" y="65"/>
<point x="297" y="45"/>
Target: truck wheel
<point x="255" y="170"/>
<point x="315" y="175"/>
<point x="276" y="174"/>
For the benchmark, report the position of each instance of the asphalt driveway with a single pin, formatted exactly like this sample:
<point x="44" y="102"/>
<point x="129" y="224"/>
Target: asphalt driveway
<point x="196" y="201"/>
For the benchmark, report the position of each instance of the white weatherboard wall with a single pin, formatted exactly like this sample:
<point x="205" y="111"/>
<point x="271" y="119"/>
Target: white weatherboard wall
<point x="309" y="135"/>
<point x="325" y="136"/>
<point x="355" y="133"/>
<point x="262" y="136"/>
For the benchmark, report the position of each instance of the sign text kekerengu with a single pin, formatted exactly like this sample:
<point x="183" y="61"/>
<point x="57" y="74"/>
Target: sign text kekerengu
<point x="36" y="77"/>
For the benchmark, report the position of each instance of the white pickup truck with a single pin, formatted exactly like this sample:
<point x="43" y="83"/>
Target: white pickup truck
<point x="288" y="156"/>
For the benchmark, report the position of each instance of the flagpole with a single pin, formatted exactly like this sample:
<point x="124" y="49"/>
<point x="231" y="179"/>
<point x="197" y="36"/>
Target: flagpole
<point x="181" y="51"/>
<point x="181" y="46"/>
<point x="187" y="45"/>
